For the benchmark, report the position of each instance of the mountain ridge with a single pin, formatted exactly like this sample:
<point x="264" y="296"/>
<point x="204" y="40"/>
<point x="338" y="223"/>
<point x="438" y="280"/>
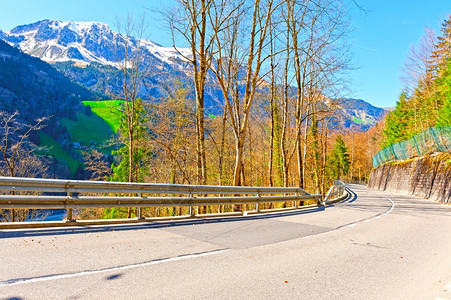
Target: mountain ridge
<point x="60" y="41"/>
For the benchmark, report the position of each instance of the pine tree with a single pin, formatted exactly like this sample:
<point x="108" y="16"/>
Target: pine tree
<point x="136" y="170"/>
<point x="339" y="159"/>
<point x="442" y="48"/>
<point x="443" y="95"/>
<point x="397" y="126"/>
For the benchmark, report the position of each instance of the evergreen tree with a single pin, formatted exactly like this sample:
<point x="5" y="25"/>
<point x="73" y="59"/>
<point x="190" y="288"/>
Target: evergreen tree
<point x="138" y="168"/>
<point x="397" y="124"/>
<point x="339" y="159"/>
<point x="443" y="94"/>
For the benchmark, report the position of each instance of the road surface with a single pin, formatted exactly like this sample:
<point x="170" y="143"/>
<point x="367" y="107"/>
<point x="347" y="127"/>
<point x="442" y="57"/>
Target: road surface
<point x="373" y="245"/>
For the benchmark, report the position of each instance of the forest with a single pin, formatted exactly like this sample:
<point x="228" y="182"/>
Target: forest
<point x="280" y="66"/>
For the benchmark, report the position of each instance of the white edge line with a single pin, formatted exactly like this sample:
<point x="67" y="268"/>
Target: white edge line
<point x="377" y="216"/>
<point x="82" y="273"/>
<point x="391" y="208"/>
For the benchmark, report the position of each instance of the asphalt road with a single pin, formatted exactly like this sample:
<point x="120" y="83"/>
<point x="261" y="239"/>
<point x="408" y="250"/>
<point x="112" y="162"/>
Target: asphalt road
<point x="374" y="245"/>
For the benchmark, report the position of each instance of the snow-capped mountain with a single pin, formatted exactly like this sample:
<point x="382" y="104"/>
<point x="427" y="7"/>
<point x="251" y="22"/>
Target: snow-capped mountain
<point x="90" y="52"/>
<point x="81" y="42"/>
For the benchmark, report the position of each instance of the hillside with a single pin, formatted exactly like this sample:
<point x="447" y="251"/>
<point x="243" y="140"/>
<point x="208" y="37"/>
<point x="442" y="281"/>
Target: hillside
<point x="109" y="111"/>
<point x="35" y="88"/>
<point x="360" y="114"/>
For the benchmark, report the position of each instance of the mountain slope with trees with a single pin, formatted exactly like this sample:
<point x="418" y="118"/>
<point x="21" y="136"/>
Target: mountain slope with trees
<point x="35" y="88"/>
<point x="426" y="99"/>
<point x="31" y="89"/>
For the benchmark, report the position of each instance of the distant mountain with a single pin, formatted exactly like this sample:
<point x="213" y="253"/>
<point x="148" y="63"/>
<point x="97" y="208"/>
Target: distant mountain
<point x="82" y="42"/>
<point x="360" y="114"/>
<point x="86" y="53"/>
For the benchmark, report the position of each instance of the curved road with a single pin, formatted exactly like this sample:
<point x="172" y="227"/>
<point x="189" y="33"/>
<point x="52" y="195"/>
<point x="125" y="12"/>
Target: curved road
<point x="373" y="245"/>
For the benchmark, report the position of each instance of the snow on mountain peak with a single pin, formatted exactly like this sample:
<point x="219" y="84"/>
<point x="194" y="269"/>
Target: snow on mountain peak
<point x="86" y="42"/>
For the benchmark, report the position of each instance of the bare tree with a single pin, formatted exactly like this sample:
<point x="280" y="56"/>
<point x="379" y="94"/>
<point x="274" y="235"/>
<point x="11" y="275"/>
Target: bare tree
<point x="95" y="162"/>
<point x="238" y="71"/>
<point x="316" y="29"/>
<point x="15" y="143"/>
<point x="190" y="19"/>
<point x="130" y="59"/>
<point x="172" y="135"/>
<point x="17" y="156"/>
<point x="417" y="71"/>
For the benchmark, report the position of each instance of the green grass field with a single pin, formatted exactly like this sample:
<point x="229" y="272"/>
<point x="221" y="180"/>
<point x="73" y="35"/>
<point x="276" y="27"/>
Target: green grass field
<point x="357" y="120"/>
<point x="88" y="130"/>
<point x="109" y="110"/>
<point x="54" y="149"/>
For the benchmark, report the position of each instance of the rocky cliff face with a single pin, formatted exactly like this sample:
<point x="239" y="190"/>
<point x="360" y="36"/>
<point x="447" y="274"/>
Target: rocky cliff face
<point x="427" y="177"/>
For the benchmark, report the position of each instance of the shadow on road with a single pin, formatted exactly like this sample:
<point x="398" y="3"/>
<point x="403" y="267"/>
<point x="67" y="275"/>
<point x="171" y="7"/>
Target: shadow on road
<point x="149" y="225"/>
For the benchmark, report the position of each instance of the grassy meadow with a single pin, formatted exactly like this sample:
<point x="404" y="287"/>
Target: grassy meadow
<point x="54" y="149"/>
<point x="108" y="110"/>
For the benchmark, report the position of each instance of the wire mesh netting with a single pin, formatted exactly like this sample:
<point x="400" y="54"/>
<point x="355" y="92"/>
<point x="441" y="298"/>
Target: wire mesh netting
<point x="433" y="139"/>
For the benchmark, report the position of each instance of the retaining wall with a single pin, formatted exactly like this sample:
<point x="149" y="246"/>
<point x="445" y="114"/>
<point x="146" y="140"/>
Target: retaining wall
<point x="427" y="176"/>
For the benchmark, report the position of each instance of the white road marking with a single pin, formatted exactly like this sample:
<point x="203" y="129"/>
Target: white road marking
<point x="377" y="216"/>
<point x="448" y="286"/>
<point x="83" y="273"/>
<point x="391" y="208"/>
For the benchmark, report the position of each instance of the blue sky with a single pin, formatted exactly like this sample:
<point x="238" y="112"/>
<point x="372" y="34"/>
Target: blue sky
<point x="381" y="38"/>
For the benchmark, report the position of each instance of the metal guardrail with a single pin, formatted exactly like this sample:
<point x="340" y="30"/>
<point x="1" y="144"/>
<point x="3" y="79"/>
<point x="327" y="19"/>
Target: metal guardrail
<point x="355" y="181"/>
<point x="78" y="194"/>
<point x="335" y="193"/>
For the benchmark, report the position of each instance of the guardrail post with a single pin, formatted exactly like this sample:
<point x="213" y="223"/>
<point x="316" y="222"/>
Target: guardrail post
<point x="257" y="206"/>
<point x="296" y="201"/>
<point x="139" y="213"/>
<point x="69" y="217"/>
<point x="191" y="211"/>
